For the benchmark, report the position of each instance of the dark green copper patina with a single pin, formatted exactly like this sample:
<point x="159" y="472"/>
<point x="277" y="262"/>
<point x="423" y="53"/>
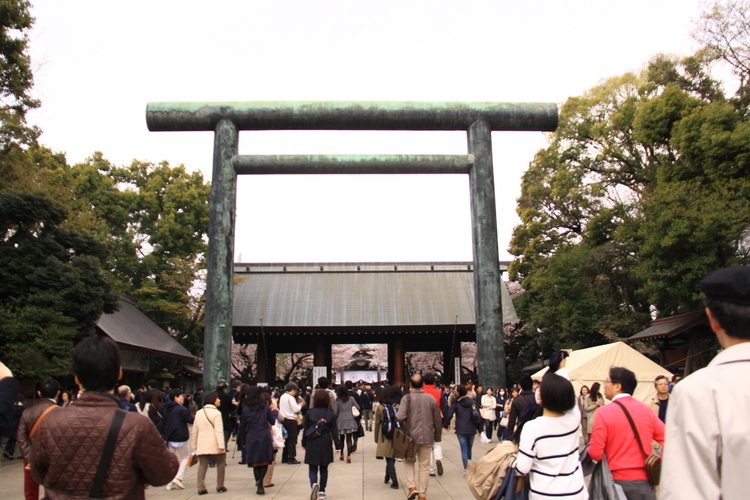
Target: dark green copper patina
<point x="478" y="119"/>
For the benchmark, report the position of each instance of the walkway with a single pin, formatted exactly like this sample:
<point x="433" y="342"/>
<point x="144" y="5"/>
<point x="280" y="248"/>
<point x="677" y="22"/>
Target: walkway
<point x="360" y="480"/>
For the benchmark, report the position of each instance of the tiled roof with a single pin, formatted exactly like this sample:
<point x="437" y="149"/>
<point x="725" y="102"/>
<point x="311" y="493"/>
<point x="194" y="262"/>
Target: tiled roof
<point x="357" y="295"/>
<point x="130" y="328"/>
<point x="671" y="326"/>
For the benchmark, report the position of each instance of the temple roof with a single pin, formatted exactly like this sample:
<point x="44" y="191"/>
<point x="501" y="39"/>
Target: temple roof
<point x="131" y="329"/>
<point x="357" y="295"/>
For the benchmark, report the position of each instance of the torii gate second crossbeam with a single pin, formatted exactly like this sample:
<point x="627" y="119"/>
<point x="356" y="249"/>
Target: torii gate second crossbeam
<point x="478" y="119"/>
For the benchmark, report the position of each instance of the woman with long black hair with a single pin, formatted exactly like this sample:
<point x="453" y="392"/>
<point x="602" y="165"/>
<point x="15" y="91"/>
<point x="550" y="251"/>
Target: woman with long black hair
<point x="257" y="417"/>
<point x="593" y="402"/>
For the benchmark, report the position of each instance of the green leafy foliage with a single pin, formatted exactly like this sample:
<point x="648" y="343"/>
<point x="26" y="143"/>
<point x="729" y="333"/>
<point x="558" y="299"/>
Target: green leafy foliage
<point x="16" y="78"/>
<point x="642" y="191"/>
<point x="52" y="285"/>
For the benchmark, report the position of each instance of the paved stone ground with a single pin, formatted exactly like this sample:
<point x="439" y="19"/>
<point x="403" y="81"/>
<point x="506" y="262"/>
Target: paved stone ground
<point x="360" y="480"/>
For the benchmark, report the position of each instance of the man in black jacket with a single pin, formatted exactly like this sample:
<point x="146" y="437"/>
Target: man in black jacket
<point x="523" y="409"/>
<point x="227" y="408"/>
<point x="177" y="435"/>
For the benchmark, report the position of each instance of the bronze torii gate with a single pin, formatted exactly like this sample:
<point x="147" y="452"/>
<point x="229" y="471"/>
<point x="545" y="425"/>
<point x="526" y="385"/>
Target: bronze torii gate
<point x="478" y="119"/>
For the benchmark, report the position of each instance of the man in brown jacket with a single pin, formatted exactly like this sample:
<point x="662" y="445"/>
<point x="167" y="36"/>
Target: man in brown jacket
<point x="69" y="442"/>
<point x="420" y="413"/>
<point x="49" y="390"/>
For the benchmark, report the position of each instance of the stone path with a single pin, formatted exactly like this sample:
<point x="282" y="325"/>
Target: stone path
<point x="360" y="480"/>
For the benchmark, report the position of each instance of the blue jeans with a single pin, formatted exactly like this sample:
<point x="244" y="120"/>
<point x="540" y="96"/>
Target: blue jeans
<point x="466" y="441"/>
<point x="502" y="433"/>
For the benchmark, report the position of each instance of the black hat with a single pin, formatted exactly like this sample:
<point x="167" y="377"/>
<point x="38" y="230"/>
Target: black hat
<point x="728" y="285"/>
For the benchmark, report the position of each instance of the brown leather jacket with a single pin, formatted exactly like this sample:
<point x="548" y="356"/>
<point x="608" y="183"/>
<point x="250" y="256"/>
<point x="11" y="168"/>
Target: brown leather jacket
<point x="68" y="444"/>
<point x="28" y="418"/>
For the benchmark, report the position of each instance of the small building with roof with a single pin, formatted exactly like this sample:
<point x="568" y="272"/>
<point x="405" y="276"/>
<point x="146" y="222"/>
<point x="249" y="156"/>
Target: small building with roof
<point x="143" y="344"/>
<point x="686" y="329"/>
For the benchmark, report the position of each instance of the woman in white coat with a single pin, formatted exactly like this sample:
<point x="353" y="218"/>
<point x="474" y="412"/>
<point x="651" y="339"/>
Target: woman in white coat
<point x="207" y="439"/>
<point x="489" y="404"/>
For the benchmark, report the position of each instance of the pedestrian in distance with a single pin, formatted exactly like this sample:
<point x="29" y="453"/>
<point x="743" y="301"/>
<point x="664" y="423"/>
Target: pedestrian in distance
<point x="506" y="414"/>
<point x="594" y="401"/>
<point x="268" y="477"/>
<point x="436" y="458"/>
<point x="501" y="396"/>
<point x="227" y="409"/>
<point x="581" y="401"/>
<point x="346" y="422"/>
<point x="257" y="417"/>
<point x="386" y="416"/>
<point x="64" y="399"/>
<point x="240" y="399"/>
<point x="320" y="437"/>
<point x="708" y="431"/>
<point x="207" y="441"/>
<point x="660" y="402"/>
<point x="465" y="427"/>
<point x="488" y="405"/>
<point x="355" y="394"/>
<point x="177" y="434"/>
<point x="523" y="409"/>
<point x="367" y="398"/>
<point x="126" y="397"/>
<point x="289" y="407"/>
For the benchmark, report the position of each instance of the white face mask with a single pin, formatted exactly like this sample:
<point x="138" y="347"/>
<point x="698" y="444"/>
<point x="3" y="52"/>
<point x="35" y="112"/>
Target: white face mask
<point x="502" y="393"/>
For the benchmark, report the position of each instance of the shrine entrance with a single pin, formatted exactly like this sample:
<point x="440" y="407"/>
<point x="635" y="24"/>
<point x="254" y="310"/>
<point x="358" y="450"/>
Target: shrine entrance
<point x="477" y="119"/>
<point x="411" y="307"/>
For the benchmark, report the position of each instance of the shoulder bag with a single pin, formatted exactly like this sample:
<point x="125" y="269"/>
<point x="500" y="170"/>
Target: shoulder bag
<point x="403" y="444"/>
<point x="109" y="448"/>
<point x="653" y="462"/>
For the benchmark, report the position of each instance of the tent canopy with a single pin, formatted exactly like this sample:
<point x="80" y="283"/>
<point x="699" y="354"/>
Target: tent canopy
<point x="587" y="366"/>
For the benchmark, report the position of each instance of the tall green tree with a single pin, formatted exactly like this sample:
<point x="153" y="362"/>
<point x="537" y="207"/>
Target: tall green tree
<point x="53" y="286"/>
<point x="642" y="191"/>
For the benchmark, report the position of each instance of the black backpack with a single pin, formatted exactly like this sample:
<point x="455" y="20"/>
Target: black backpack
<point x="390" y="422"/>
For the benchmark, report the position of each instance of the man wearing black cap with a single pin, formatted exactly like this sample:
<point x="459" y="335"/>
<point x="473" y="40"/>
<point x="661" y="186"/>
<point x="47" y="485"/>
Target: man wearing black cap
<point x="707" y="447"/>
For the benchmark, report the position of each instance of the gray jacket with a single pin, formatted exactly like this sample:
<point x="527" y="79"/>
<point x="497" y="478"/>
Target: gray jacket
<point x="420" y="413"/>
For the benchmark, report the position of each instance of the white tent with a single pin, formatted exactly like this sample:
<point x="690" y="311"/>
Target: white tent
<point x="587" y="366"/>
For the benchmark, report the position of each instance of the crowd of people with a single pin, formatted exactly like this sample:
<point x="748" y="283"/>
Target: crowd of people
<point x="68" y="439"/>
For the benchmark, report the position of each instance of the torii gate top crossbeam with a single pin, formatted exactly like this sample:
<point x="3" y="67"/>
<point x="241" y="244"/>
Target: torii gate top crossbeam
<point x="344" y="115"/>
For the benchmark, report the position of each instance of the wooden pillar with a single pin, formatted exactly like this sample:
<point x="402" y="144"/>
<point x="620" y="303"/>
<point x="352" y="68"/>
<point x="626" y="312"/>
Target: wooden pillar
<point x="451" y="350"/>
<point x="272" y="349"/>
<point x="322" y="355"/>
<point x="396" y="369"/>
<point x="262" y="366"/>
